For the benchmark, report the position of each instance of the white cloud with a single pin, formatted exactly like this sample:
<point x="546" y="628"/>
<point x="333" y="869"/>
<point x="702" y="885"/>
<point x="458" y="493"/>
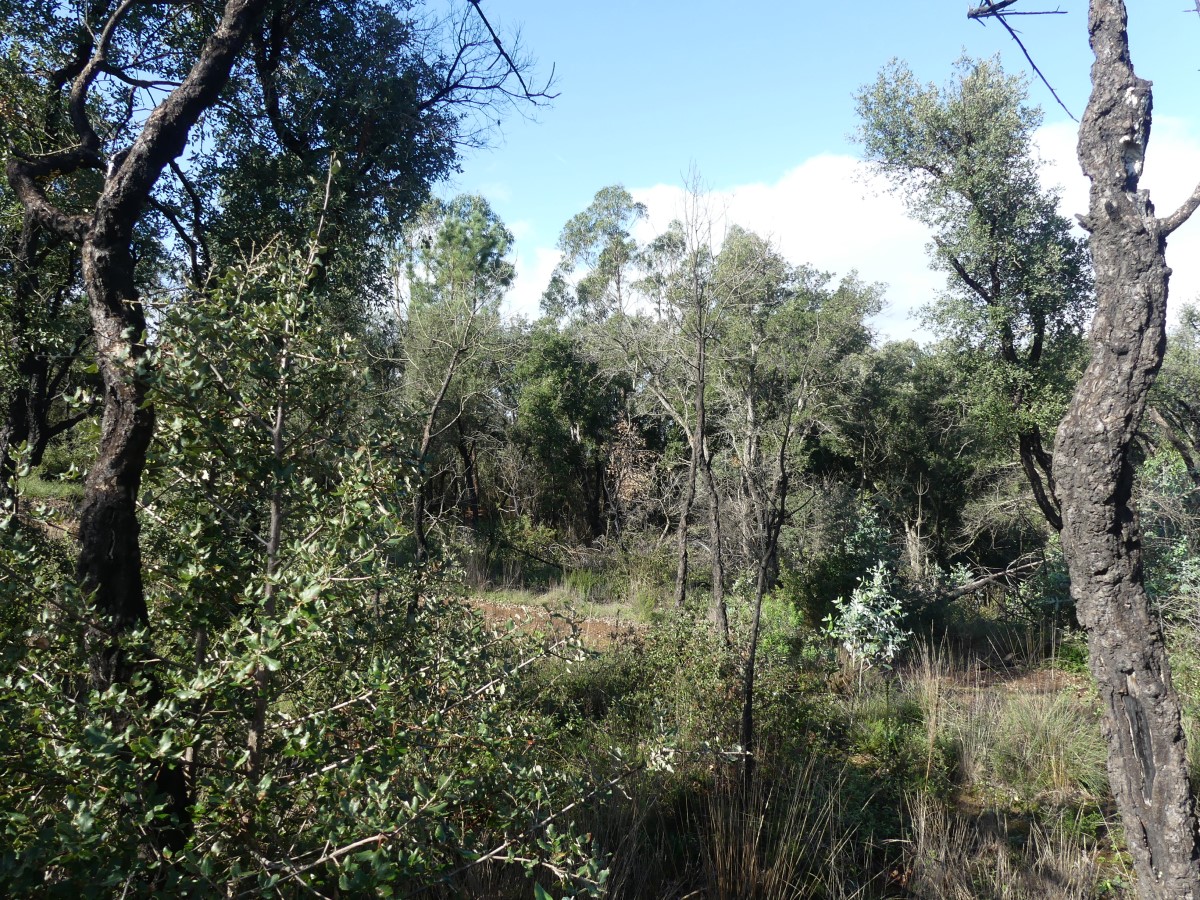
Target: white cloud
<point x="534" y="268"/>
<point x="831" y="213"/>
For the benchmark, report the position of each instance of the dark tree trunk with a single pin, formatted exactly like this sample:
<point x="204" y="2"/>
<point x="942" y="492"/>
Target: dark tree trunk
<point x="1101" y="538"/>
<point x="471" y="477"/>
<point x="15" y="430"/>
<point x="1039" y="472"/>
<point x="420" y="512"/>
<point x="109" y="563"/>
<point x="681" y="534"/>
<point x="109" y="566"/>
<point x="716" y="609"/>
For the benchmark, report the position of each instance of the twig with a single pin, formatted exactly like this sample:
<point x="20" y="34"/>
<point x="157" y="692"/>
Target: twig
<point x="512" y="66"/>
<point x="993" y="11"/>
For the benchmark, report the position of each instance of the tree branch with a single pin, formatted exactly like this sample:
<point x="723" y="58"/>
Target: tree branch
<point x="1181" y="215"/>
<point x="992" y="10"/>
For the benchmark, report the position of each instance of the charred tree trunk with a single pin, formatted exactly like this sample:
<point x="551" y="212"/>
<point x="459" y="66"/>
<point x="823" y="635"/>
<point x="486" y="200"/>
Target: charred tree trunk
<point x="716" y="609"/>
<point x="1101" y="537"/>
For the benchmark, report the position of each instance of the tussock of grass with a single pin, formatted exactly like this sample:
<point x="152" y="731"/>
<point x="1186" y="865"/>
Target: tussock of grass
<point x="954" y="857"/>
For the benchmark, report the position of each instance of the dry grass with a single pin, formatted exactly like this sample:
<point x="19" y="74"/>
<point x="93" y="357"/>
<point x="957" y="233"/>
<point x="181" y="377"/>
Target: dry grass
<point x="788" y="840"/>
<point x="952" y="857"/>
<point x="1027" y="783"/>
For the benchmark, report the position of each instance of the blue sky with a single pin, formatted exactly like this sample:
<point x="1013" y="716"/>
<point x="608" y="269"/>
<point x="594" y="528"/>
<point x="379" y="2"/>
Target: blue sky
<point x="758" y="98"/>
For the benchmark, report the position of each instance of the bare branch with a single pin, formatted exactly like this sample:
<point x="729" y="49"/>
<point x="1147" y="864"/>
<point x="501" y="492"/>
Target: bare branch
<point x="532" y="96"/>
<point x="992" y="10"/>
<point x="1181" y="215"/>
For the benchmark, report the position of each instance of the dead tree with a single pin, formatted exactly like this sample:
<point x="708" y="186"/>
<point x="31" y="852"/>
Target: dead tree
<point x="1101" y="537"/>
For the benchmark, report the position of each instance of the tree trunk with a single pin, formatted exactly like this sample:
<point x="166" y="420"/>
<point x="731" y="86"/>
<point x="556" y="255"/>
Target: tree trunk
<point x="471" y="478"/>
<point x="716" y="610"/>
<point x="685" y="514"/>
<point x="109" y="568"/>
<point x="15" y="430"/>
<point x="1101" y="538"/>
<point x="110" y="563"/>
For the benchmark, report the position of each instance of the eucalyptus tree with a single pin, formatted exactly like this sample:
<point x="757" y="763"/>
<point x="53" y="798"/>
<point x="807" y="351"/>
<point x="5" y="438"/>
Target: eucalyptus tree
<point x="680" y="283"/>
<point x="595" y="277"/>
<point x="1019" y="283"/>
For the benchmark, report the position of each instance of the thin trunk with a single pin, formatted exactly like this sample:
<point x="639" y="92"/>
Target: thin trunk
<point x="1175" y="438"/>
<point x="15" y="430"/>
<point x="747" y="725"/>
<point x="773" y="521"/>
<point x="471" y="477"/>
<point x="716" y="610"/>
<point x="428" y="433"/>
<point x="1039" y="472"/>
<point x="108" y="568"/>
<point x="685" y="514"/>
<point x="1101" y="538"/>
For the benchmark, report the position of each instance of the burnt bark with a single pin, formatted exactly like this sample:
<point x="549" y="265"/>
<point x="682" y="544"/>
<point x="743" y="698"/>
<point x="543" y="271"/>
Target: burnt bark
<point x="1094" y="472"/>
<point x="716" y="609"/>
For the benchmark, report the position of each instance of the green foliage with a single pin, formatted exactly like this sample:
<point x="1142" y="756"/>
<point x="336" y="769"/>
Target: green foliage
<point x="389" y="753"/>
<point x="835" y="571"/>
<point x="868" y="624"/>
<point x="593" y="280"/>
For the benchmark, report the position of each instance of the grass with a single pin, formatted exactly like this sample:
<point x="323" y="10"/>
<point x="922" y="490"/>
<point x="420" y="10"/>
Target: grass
<point x="35" y="487"/>
<point x="585" y="596"/>
<point x="971" y="773"/>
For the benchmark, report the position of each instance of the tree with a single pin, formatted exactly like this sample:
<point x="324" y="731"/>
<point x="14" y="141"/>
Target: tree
<point x="132" y="81"/>
<point x="457" y="270"/>
<point x="598" y="255"/>
<point x="1019" y="288"/>
<point x="129" y="82"/>
<point x="1173" y="408"/>
<point x="779" y="368"/>
<point x="566" y="408"/>
<point x="680" y="267"/>
<point x="1101" y="536"/>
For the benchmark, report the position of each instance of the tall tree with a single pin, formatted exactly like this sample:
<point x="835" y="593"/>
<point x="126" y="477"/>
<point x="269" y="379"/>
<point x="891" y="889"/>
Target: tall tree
<point x="680" y="266"/>
<point x="457" y="270"/>
<point x="780" y="367"/>
<point x="1019" y="288"/>
<point x="130" y="81"/>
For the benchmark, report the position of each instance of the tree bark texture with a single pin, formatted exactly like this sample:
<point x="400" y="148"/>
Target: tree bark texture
<point x="1094" y="473"/>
